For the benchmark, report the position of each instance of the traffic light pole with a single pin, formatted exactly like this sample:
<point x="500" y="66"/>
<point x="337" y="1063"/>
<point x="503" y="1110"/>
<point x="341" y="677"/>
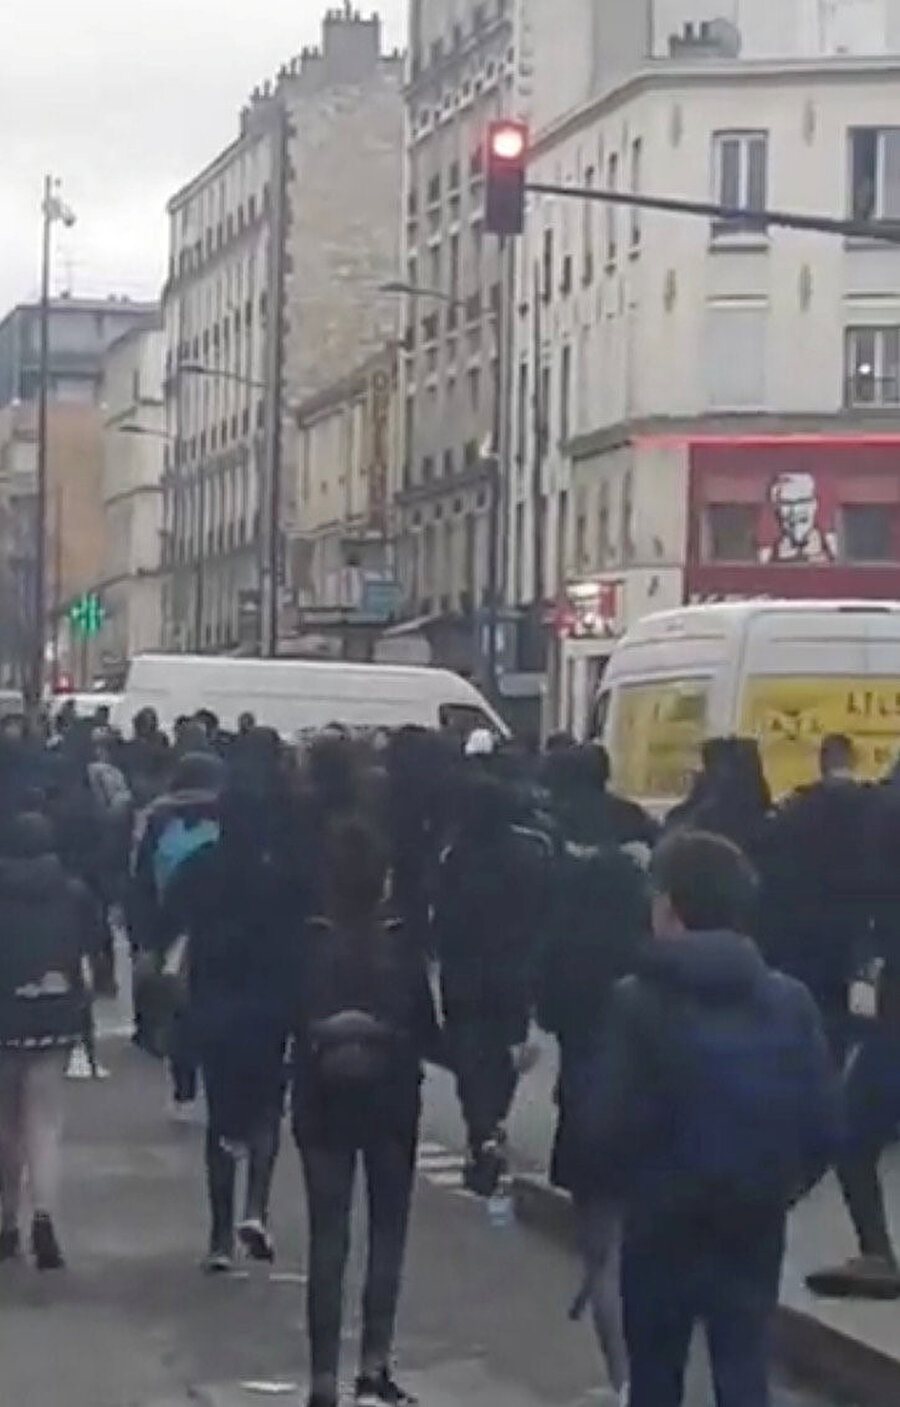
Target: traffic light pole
<point x="496" y="482"/>
<point x="887" y="231"/>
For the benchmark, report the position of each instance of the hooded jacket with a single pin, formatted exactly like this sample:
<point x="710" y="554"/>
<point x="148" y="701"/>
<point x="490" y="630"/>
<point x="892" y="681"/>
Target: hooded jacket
<point x="45" y="928"/>
<point x="818" y="889"/>
<point x="712" y="1091"/>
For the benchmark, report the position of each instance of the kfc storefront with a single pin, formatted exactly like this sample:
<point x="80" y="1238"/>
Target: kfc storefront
<point x="815" y="517"/>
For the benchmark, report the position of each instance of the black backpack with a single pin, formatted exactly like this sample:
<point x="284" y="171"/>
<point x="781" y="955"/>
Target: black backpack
<point x="356" y="1038"/>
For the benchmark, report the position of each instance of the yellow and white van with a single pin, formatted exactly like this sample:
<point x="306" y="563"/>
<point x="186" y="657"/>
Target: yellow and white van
<point x="786" y="673"/>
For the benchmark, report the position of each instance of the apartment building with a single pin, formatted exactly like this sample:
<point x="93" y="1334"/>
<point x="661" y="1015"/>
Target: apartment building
<point x="337" y="243"/>
<point x="134" y="441"/>
<point x="719" y="403"/>
<point x="80" y="332"/>
<point x="462" y="74"/>
<point x="343" y="557"/>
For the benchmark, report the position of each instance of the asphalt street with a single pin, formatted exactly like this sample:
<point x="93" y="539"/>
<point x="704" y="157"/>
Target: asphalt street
<point x="133" y="1323"/>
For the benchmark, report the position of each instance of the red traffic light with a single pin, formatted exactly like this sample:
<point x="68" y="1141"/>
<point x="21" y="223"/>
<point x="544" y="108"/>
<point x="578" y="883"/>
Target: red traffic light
<point x="507" y="157"/>
<point x="508" y="141"/>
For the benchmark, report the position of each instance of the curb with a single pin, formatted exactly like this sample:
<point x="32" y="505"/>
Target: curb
<point x="821" y="1356"/>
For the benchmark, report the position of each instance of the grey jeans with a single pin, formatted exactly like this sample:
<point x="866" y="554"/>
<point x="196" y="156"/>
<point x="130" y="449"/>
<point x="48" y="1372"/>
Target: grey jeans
<point x="31" y="1117"/>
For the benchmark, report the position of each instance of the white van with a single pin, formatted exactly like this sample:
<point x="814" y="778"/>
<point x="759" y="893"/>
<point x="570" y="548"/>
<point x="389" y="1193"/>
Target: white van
<point x="786" y="673"/>
<point x="299" y="697"/>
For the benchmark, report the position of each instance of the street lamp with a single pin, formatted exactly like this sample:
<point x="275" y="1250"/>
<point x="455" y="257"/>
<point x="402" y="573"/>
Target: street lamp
<point x="221" y="374"/>
<point x="145" y="430"/>
<point x="53" y="211"/>
<point x="416" y="290"/>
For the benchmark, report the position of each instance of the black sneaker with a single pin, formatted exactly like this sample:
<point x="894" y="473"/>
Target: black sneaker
<point x="10" y="1244"/>
<point x="44" y="1245"/>
<point x="484" y="1169"/>
<point x="256" y="1241"/>
<point x="382" y="1392"/>
<point x="220" y="1261"/>
<point x="318" y="1399"/>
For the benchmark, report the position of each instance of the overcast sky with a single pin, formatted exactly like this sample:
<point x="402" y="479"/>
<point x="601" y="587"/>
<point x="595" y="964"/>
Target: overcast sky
<point x="125" y="100"/>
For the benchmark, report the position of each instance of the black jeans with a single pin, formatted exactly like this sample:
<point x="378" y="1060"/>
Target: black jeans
<point x="672" y="1282"/>
<point x="221" y="1181"/>
<point x="486" y="1078"/>
<point x="330" y="1173"/>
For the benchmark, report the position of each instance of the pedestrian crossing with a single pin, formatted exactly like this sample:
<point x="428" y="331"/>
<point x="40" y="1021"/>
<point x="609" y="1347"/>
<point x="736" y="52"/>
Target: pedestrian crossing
<point x="442" y="1167"/>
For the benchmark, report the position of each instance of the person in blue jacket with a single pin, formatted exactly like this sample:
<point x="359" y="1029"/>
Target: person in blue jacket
<point x="711" y="1107"/>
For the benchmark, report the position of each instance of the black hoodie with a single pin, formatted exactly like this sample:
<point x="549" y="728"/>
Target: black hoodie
<point x="713" y="1086"/>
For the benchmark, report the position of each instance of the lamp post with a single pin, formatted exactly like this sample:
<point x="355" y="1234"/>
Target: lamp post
<point x="53" y="210"/>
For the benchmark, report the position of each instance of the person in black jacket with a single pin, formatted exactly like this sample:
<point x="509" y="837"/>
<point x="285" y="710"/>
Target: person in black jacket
<point x="872" y="1075"/>
<point x="585" y="810"/>
<point x="711" y="1107"/>
<point x="600" y="919"/>
<point x="364" y="1022"/>
<point x="240" y="904"/>
<point x="490" y="916"/>
<point x="172" y="829"/>
<point x="819" y="885"/>
<point x="45" y="931"/>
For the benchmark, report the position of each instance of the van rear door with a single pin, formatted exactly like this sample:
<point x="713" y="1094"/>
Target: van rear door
<point x="800" y="679"/>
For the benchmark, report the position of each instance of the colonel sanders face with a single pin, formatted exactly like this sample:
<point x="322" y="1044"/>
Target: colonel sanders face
<point x="795" y="504"/>
<point x="796" y="507"/>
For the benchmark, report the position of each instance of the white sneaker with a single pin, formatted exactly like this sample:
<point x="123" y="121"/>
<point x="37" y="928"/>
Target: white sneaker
<point x="79" y="1067"/>
<point x="625" y="1395"/>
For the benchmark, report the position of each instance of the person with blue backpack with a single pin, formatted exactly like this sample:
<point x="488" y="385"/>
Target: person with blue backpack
<point x="710" y="1107"/>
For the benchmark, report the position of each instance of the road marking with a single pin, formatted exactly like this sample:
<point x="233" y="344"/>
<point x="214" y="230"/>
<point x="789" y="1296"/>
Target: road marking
<point x="442" y="1167"/>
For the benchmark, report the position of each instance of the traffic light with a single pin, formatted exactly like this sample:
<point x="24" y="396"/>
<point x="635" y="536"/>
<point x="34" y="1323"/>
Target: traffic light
<point x="87" y="615"/>
<point x="507" y="156"/>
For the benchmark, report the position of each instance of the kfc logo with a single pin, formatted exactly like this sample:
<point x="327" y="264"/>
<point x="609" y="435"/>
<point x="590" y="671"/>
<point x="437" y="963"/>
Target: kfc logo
<point x="800" y="536"/>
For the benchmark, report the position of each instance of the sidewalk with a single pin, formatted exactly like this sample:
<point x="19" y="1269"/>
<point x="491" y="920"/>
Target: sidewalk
<point x="850" y="1347"/>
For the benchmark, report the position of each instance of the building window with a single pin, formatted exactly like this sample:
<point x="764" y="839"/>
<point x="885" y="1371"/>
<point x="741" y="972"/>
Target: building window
<point x="519" y="587"/>
<point x="731" y="530"/>
<point x="867" y="533"/>
<point x="740" y="180"/>
<point x="587" y="231"/>
<point x="875" y="173"/>
<point x="612" y="211"/>
<point x="522" y="413"/>
<point x="562" y="537"/>
<point x="547" y="274"/>
<point x="544" y="408"/>
<point x="873" y="366"/>
<point x="565" y="394"/>
<point x="637" y="162"/>
<point x="474" y="389"/>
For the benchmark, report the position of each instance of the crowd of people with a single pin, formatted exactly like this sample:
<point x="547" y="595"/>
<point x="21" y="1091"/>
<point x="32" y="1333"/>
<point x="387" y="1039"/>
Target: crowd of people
<point x="310" y="928"/>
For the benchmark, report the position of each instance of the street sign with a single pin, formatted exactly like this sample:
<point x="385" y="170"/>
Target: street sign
<point x="382" y="598"/>
<point x="87" y="615"/>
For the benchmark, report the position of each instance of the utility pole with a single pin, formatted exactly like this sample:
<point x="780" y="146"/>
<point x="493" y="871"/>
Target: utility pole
<point x="36" y="683"/>
<point x="200" y="574"/>
<point x="539" y="422"/>
<point x="497" y="479"/>
<point x="270" y="518"/>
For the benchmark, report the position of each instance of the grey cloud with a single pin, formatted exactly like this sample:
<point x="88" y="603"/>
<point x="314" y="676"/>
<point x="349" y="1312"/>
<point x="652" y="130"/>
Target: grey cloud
<point x="140" y="94"/>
